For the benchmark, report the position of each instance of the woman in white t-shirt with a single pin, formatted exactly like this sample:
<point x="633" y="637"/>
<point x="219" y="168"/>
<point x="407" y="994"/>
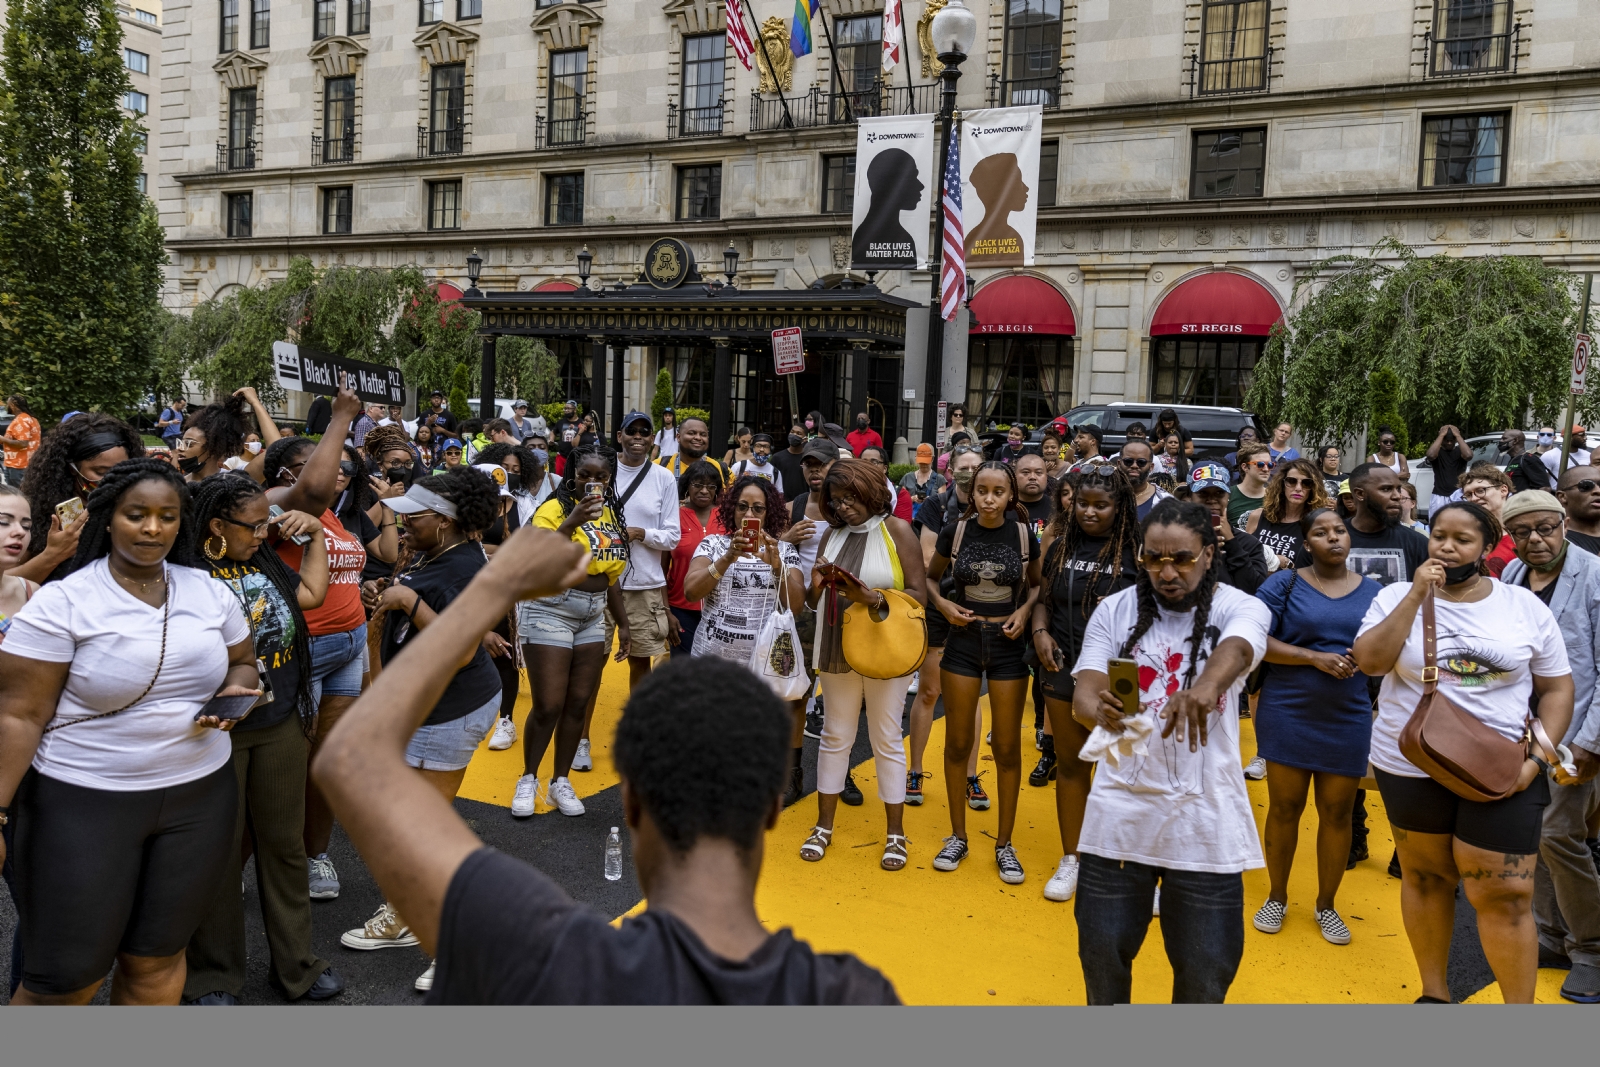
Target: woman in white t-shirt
<point x="1497" y="647"/>
<point x="1168" y="805"/>
<point x="124" y="823"/>
<point x="735" y="577"/>
<point x="666" y="443"/>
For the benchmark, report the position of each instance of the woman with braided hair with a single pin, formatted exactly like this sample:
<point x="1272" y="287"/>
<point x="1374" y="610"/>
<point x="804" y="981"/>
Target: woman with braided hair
<point x="1089" y="552"/>
<point x="124" y="824"/>
<point x="992" y="553"/>
<point x="1168" y="806"/>
<point x="69" y="463"/>
<point x="445" y="517"/>
<point x="270" y="747"/>
<point x="564" y="638"/>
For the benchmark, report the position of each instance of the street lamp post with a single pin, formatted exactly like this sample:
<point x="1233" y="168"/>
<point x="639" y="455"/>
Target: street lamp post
<point x="953" y="29"/>
<point x="486" y="374"/>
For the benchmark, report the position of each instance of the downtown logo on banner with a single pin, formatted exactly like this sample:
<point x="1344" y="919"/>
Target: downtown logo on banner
<point x="895" y="189"/>
<point x="1000" y="184"/>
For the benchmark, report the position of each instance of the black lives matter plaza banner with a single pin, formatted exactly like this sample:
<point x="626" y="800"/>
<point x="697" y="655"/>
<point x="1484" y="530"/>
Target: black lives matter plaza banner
<point x="1000" y="185"/>
<point x="309" y="371"/>
<point x="896" y="189"/>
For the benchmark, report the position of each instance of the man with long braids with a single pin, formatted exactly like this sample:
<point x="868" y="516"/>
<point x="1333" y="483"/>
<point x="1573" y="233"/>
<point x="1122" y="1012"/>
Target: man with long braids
<point x="1089" y="552"/>
<point x="1168" y="807"/>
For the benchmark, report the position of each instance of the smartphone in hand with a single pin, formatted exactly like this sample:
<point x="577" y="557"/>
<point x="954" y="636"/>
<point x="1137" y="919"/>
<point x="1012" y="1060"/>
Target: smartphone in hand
<point x="1124" y="684"/>
<point x="68" y="510"/>
<point x="226" y="708"/>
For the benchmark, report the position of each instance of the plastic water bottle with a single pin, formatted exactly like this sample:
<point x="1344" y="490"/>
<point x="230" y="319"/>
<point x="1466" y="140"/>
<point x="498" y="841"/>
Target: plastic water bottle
<point x="613" y="856"/>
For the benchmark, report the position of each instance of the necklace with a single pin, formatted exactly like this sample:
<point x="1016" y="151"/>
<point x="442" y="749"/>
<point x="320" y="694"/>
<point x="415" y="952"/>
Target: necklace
<point x="134" y="581"/>
<point x="1461" y="599"/>
<point x="1311" y="575"/>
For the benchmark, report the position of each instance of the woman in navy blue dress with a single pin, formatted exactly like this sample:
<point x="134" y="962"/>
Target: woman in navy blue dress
<point x="1314" y="719"/>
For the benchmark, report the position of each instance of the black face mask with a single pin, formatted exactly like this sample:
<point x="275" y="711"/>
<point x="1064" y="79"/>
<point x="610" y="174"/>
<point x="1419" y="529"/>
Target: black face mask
<point x="190" y="464"/>
<point x="861" y="424"/>
<point x="795" y="440"/>
<point x="399" y="476"/>
<point x="513" y="481"/>
<point x="1457" y="575"/>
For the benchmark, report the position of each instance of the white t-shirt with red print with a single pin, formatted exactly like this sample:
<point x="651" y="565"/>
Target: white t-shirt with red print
<point x="1171" y="807"/>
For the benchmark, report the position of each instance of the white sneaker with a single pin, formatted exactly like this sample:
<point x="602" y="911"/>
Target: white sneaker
<point x="1256" y="769"/>
<point x="1064" y="882"/>
<point x="526" y="798"/>
<point x="916" y="679"/>
<point x="424" y="980"/>
<point x="504" y="736"/>
<point x="1155" y="907"/>
<point x="563" y="797"/>
<point x="580" y="759"/>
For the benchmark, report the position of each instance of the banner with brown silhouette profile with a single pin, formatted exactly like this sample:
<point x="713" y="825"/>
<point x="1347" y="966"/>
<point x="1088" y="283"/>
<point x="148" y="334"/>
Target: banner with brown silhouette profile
<point x="999" y="184"/>
<point x="895" y="188"/>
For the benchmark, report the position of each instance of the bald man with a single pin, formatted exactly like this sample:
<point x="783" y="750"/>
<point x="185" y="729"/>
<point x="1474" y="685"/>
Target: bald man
<point x="1579" y="493"/>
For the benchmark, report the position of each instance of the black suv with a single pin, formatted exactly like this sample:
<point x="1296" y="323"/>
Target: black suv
<point x="1213" y="430"/>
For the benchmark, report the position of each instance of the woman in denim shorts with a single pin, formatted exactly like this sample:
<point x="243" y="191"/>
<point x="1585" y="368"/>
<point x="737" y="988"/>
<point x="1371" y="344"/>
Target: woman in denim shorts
<point x="994" y="557"/>
<point x="564" y="637"/>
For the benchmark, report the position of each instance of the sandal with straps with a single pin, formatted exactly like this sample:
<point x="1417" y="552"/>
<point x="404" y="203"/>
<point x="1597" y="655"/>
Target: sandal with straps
<point x="816" y="846"/>
<point x="894" y="853"/>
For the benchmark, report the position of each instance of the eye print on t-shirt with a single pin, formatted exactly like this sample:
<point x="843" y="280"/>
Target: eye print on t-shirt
<point x="1468" y="666"/>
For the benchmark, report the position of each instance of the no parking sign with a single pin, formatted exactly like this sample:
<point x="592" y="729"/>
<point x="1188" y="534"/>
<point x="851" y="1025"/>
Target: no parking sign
<point x="1580" y="362"/>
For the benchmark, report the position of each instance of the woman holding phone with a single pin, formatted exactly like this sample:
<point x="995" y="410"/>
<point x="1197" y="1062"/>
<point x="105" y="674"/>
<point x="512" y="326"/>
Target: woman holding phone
<point x="124" y="823"/>
<point x="735" y="577"/>
<point x="564" y="637"/>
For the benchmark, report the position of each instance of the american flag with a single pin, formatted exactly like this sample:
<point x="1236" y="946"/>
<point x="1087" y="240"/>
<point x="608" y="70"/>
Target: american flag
<point x="742" y="46"/>
<point x="953" y="277"/>
<point x="891" y="34"/>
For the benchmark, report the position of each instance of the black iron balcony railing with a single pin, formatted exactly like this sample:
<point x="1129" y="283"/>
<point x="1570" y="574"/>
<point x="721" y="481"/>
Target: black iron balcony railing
<point x="708" y="121"/>
<point x="236" y="157"/>
<point x="1454" y="57"/>
<point x="333" y="149"/>
<point x="821" y="108"/>
<point x="561" y="131"/>
<point x="450" y="141"/>
<point x="1045" y="90"/>
<point x="1221" y="77"/>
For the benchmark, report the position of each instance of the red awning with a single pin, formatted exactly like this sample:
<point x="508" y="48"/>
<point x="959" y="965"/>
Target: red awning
<point x="448" y="294"/>
<point x="554" y="285"/>
<point x="1021" y="304"/>
<point x="1220" y="302"/>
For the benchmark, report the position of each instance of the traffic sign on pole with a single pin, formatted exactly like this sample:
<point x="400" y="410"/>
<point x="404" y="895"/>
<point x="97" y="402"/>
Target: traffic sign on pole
<point x="943" y="423"/>
<point x="788" y="351"/>
<point x="1581" y="352"/>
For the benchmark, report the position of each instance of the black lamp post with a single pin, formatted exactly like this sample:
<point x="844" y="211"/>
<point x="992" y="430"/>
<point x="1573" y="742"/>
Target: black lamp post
<point x="953" y="29"/>
<point x="730" y="262"/>
<point x="474" y="269"/>
<point x="585" y="261"/>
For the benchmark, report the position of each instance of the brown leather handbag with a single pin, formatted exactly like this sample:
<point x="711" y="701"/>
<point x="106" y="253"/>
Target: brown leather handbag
<point x="1459" y="751"/>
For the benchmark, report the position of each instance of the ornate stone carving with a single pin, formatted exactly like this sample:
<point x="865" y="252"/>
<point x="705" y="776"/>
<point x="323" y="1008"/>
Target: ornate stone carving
<point x="239" y="70"/>
<point x="1563" y="226"/>
<point x="1395" y="228"/>
<point x="1168" y="236"/>
<point x="1436" y="229"/>
<point x="1478" y="228"/>
<point x="840" y="246"/>
<point x="335" y="57"/>
<point x="695" y="16"/>
<point x="1069" y="240"/>
<point x="1239" y="233"/>
<point x="1202" y="235"/>
<point x="931" y="67"/>
<point x="1523" y="226"/>
<point x="775" y="250"/>
<point x="1358" y="233"/>
<point x="566" y="25"/>
<point x="1277" y="233"/>
<point x="775" y="42"/>
<point x="802" y="247"/>
<point x="1313" y="231"/>
<point x="445" y="42"/>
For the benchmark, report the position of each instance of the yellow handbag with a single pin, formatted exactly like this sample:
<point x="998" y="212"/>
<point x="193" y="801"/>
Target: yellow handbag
<point x="891" y="647"/>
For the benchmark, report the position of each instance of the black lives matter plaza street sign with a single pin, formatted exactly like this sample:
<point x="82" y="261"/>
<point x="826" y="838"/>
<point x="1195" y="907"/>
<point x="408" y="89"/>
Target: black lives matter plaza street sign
<point x="309" y="371"/>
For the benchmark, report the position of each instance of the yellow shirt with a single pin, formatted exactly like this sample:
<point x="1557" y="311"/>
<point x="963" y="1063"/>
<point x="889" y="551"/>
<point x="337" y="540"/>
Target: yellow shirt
<point x="605" y="538"/>
<point x="676" y="466"/>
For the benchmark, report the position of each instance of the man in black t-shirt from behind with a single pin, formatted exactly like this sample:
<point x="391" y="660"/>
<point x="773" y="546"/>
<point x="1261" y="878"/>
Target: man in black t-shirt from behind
<point x="1579" y="492"/>
<point x="502" y="931"/>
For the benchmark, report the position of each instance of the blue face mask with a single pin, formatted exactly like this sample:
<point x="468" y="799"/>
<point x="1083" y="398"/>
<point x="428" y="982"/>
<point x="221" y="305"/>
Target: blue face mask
<point x="542" y="456"/>
<point x="758" y="459"/>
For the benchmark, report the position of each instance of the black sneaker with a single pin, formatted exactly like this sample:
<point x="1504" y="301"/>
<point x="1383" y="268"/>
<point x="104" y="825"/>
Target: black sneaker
<point x="1394" y="864"/>
<point x="851" y="793"/>
<point x="977" y="799"/>
<point x="1358" y="852"/>
<point x="814" y="724"/>
<point x="1045" y="772"/>
<point x="951" y="855"/>
<point x="797" y="785"/>
<point x="914" y="787"/>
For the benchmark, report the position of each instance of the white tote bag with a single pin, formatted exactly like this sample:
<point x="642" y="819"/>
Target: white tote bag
<point x="777" y="658"/>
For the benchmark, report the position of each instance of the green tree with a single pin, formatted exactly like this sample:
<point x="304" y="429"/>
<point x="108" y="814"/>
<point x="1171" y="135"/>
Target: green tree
<point x="80" y="246"/>
<point x="524" y="369"/>
<point x="1482" y="342"/>
<point x="1385" y="388"/>
<point x="663" y="398"/>
<point x="457" y="398"/>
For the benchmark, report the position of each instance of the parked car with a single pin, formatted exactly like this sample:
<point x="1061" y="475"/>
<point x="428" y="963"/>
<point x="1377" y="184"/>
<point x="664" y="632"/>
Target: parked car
<point x="1485" y="449"/>
<point x="1213" y="429"/>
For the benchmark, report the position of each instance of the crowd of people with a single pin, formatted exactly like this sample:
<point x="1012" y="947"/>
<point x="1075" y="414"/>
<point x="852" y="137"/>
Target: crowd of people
<point x="210" y="654"/>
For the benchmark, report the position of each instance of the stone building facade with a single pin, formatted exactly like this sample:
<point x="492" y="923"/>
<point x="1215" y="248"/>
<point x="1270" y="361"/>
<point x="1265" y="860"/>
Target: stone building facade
<point x="1199" y="156"/>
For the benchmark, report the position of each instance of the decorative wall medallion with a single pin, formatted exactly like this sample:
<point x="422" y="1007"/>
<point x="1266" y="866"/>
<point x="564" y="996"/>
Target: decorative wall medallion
<point x="1523" y="226"/>
<point x="1313" y="231"/>
<point x="1202" y="235"/>
<point x="1283" y="275"/>
<point x="1358" y="233"/>
<point x="1097" y="238"/>
<point x="931" y="67"/>
<point x="1478" y="228"/>
<point x="1157" y="276"/>
<point x="1072" y="278"/>
<point x="802" y="246"/>
<point x="775" y="42"/>
<point x="1395" y="228"/>
<point x="1239" y="234"/>
<point x="1137" y="239"/>
<point x="1277" y="233"/>
<point x="1436" y="229"/>
<point x="841" y="252"/>
<point x="775" y="249"/>
<point x="1168" y="236"/>
<point x="1563" y="225"/>
<point x="1069" y="240"/>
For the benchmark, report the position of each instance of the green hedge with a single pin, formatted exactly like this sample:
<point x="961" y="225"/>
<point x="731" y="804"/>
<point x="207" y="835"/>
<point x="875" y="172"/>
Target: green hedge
<point x="900" y="470"/>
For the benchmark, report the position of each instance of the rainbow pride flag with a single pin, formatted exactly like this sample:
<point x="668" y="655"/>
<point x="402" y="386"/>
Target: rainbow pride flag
<point x="800" y="41"/>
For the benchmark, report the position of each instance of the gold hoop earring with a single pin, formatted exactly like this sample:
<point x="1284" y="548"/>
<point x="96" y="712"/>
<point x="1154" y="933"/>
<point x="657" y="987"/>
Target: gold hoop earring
<point x="214" y="555"/>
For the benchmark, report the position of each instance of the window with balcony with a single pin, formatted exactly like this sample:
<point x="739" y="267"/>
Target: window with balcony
<point x="444" y="205"/>
<point x="1463" y="150"/>
<point x="568" y="91"/>
<point x="429" y="12"/>
<point x="838" y="184"/>
<point x="563" y="200"/>
<point x="1228" y="163"/>
<point x="325" y="19"/>
<point x="858" y="63"/>
<point x="260" y="23"/>
<point x="359" y="17"/>
<point x="1234" y="56"/>
<point x="1049" y="165"/>
<point x="138" y="62"/>
<point x="239" y="206"/>
<point x="469" y="9"/>
<point x="229" y="38"/>
<point x="339" y="120"/>
<point x="447" y="110"/>
<point x="1032" y="60"/>
<point x="702" y="85"/>
<point x="1471" y="37"/>
<point x="241" y="150"/>
<point x="137" y="102"/>
<point x="336" y="205"/>
<point x="700" y="192"/>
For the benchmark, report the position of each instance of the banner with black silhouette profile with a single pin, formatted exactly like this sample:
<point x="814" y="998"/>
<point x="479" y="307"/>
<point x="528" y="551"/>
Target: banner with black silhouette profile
<point x="1000" y="184"/>
<point x="895" y="188"/>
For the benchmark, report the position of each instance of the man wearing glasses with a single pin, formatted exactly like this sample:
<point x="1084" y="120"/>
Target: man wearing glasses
<point x="1137" y="458"/>
<point x="1579" y="493"/>
<point x="1255" y="464"/>
<point x="649" y="496"/>
<point x="1566" y="894"/>
<point x="1487" y="486"/>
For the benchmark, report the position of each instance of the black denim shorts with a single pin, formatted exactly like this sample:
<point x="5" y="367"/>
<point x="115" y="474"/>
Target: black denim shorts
<point x="982" y="650"/>
<point x="1423" y="806"/>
